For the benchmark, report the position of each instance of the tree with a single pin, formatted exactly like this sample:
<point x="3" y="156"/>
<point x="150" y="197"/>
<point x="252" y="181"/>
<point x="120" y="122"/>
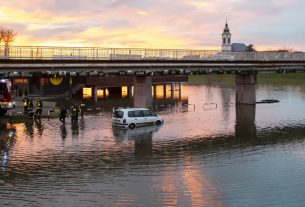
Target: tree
<point x="9" y="37"/>
<point x="2" y="33"/>
<point x="250" y="48"/>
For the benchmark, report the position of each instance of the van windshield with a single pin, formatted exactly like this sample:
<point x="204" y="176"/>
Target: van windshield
<point x="118" y="114"/>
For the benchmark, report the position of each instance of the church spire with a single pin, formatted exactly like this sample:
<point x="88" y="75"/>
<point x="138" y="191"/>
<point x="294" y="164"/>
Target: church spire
<point x="226" y="38"/>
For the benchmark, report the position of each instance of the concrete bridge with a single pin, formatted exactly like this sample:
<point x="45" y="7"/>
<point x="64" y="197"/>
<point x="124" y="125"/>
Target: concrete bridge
<point x="28" y="62"/>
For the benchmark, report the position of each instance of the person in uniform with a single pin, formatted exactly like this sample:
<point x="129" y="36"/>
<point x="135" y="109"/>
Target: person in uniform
<point x="25" y="104"/>
<point x="74" y="113"/>
<point x="62" y="115"/>
<point x="38" y="107"/>
<point x="82" y="109"/>
<point x="30" y="108"/>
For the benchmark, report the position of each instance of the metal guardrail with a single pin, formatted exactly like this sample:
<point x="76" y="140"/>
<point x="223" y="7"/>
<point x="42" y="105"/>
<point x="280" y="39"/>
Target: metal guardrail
<point x="96" y="53"/>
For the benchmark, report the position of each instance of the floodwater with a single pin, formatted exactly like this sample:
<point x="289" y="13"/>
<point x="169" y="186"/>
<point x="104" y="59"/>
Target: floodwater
<point x="208" y="153"/>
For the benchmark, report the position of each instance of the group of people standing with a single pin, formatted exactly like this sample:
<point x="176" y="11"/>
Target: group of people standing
<point x="75" y="110"/>
<point x="29" y="107"/>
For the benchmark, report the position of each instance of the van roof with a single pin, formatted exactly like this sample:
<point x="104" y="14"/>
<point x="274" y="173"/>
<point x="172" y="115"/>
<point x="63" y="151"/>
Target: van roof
<point x="130" y="109"/>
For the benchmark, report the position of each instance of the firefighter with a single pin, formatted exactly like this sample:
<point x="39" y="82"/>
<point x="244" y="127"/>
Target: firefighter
<point x="30" y="108"/>
<point x="82" y="109"/>
<point x="62" y="115"/>
<point x="38" y="107"/>
<point x="25" y="104"/>
<point x="74" y="113"/>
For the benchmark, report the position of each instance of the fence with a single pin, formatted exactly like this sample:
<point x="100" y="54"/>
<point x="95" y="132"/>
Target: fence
<point x="95" y="53"/>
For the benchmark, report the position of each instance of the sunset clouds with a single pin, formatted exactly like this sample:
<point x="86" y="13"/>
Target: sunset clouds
<point x="192" y="24"/>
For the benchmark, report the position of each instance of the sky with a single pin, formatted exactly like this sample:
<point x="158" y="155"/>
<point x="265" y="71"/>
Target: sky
<point x="175" y="24"/>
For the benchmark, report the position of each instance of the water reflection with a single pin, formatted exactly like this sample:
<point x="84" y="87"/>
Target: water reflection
<point x="245" y="121"/>
<point x="74" y="129"/>
<point x="7" y="140"/>
<point x="39" y="126"/>
<point x="203" y="193"/>
<point x="33" y="127"/>
<point x="142" y="137"/>
<point x="64" y="132"/>
<point x="225" y="156"/>
<point x="124" y="135"/>
<point x="29" y="127"/>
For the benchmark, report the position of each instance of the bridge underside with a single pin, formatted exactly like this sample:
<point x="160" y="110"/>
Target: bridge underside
<point x="245" y="70"/>
<point x="29" y="68"/>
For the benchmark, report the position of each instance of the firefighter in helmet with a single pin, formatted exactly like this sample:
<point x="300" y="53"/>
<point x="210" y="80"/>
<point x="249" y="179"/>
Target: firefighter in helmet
<point x="38" y="107"/>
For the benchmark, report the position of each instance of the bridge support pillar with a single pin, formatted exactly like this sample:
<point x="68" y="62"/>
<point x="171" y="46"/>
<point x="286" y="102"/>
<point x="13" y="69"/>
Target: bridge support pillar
<point x="245" y="88"/>
<point x="142" y="91"/>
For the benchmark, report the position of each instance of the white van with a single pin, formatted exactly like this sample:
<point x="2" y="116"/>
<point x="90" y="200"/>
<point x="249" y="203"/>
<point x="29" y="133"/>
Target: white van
<point x="135" y="117"/>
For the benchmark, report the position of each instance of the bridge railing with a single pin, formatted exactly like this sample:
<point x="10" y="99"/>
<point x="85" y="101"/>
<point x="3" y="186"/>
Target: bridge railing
<point x="96" y="53"/>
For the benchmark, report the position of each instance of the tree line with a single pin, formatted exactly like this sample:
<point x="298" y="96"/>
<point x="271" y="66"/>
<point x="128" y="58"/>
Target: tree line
<point x="7" y="36"/>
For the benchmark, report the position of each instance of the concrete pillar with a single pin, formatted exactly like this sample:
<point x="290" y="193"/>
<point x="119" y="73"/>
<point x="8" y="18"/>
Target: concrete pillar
<point x="155" y="91"/>
<point x="172" y="90"/>
<point x="245" y="121"/>
<point x="41" y="86"/>
<point x="70" y="91"/>
<point x="129" y="91"/>
<point x="95" y="88"/>
<point x="179" y="84"/>
<point x="142" y="91"/>
<point x="164" y="91"/>
<point x="245" y="88"/>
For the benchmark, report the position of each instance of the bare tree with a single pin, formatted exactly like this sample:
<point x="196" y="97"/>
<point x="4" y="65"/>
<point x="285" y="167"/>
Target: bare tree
<point x="9" y="37"/>
<point x="2" y="31"/>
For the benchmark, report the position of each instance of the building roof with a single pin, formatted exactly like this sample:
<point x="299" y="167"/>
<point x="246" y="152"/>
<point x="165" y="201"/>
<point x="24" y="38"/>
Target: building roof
<point x="239" y="47"/>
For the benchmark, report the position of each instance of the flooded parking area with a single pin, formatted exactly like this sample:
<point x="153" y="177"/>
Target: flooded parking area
<point x="208" y="152"/>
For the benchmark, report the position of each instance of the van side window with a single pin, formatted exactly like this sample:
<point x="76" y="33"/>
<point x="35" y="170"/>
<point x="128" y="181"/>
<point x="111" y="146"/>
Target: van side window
<point x="131" y="114"/>
<point x="138" y="113"/>
<point x="118" y="114"/>
<point x="147" y="113"/>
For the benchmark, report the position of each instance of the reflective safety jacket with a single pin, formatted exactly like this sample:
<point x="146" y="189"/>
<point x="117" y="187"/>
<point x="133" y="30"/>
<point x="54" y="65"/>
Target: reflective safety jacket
<point x="25" y="102"/>
<point x="82" y="107"/>
<point x="30" y="105"/>
<point x="39" y="104"/>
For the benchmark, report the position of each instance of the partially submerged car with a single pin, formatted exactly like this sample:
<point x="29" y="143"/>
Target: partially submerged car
<point x="135" y="117"/>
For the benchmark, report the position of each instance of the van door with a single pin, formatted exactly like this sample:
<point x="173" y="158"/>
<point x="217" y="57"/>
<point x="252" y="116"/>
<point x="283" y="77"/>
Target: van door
<point x="139" y="118"/>
<point x="149" y="117"/>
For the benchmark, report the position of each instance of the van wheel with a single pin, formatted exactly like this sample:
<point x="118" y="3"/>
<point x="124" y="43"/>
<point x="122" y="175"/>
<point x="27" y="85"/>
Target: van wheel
<point x="158" y="123"/>
<point x="132" y="126"/>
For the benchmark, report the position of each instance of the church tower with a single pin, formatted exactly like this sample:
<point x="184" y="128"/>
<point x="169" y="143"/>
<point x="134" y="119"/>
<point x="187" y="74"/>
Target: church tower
<point x="226" y="39"/>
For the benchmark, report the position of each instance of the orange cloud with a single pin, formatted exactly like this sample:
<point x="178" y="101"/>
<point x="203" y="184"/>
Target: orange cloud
<point x="192" y="24"/>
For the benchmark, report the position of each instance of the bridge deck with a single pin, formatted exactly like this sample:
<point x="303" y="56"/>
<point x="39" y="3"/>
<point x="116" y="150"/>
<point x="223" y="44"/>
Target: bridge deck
<point x="146" y="67"/>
